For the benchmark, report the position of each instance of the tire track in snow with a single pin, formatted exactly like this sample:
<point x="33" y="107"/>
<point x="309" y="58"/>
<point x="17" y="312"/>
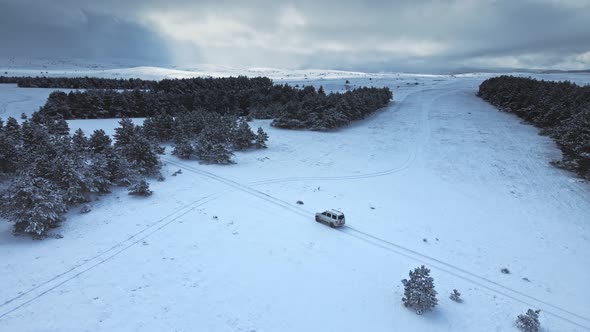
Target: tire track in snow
<point x="470" y="277"/>
<point x="405" y="165"/>
<point x="4" y="106"/>
<point x="45" y="287"/>
<point x="458" y="272"/>
<point x="411" y="158"/>
<point x="241" y="187"/>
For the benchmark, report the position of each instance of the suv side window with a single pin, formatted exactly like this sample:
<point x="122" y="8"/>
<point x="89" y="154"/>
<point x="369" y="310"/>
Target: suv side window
<point x="334" y="217"/>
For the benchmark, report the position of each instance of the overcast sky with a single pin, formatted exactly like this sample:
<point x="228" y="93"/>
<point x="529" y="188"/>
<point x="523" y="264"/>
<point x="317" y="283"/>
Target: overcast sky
<point x="410" y="35"/>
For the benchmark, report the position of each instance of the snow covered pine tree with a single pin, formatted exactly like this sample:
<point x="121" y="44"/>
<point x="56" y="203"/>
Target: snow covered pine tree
<point x="261" y="138"/>
<point x="34" y="204"/>
<point x="142" y="188"/>
<point x="419" y="291"/>
<point x="183" y="149"/>
<point x="529" y="322"/>
<point x="243" y="135"/>
<point x="211" y="148"/>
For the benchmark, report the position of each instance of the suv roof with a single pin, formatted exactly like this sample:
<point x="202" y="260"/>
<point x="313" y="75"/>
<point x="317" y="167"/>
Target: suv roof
<point x="336" y="212"/>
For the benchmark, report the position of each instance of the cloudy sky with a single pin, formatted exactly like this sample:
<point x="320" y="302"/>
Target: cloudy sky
<point x="405" y="35"/>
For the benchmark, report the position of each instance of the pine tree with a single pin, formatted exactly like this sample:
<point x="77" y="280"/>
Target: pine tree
<point x="34" y="136"/>
<point x="243" y="136"/>
<point x="72" y="181"/>
<point x="68" y="171"/>
<point x="159" y="127"/>
<point x="80" y="142"/>
<point x="142" y="156"/>
<point x="117" y="167"/>
<point x="261" y="138"/>
<point x="211" y="151"/>
<point x="9" y="153"/>
<point x="419" y="292"/>
<point x="124" y="134"/>
<point x="34" y="204"/>
<point x="42" y="118"/>
<point x="529" y="322"/>
<point x="331" y="119"/>
<point x="58" y="126"/>
<point x="99" y="142"/>
<point x="183" y="149"/>
<point x="12" y="129"/>
<point x="121" y="171"/>
<point x="456" y="296"/>
<point x="98" y="175"/>
<point x="38" y="150"/>
<point x="220" y="154"/>
<point x="142" y="188"/>
<point x="139" y="151"/>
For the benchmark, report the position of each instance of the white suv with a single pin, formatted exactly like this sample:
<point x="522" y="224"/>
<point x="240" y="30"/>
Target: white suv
<point x="332" y="218"/>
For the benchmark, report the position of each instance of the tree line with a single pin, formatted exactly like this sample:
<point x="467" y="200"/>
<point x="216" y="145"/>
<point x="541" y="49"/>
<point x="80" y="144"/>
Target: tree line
<point x="50" y="171"/>
<point x="78" y="82"/>
<point x="290" y="107"/>
<point x="561" y="109"/>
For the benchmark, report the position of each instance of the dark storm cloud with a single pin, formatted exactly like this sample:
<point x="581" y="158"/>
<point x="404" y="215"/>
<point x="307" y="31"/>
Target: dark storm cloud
<point x="375" y="35"/>
<point x="66" y="30"/>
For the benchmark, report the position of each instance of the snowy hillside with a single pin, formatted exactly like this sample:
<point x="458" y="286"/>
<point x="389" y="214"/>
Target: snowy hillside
<point x="438" y="178"/>
<point x="77" y="68"/>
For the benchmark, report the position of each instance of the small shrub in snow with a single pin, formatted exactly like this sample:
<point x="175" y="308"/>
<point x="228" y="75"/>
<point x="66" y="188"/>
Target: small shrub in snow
<point x="419" y="292"/>
<point x="177" y="172"/>
<point x="142" y="188"/>
<point x="529" y="322"/>
<point x="85" y="208"/>
<point x="23" y="116"/>
<point x="300" y="202"/>
<point x="505" y="270"/>
<point x="456" y="296"/>
<point x="160" y="149"/>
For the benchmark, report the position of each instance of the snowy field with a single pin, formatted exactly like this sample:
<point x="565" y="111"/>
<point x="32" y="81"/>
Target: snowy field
<point x="438" y="178"/>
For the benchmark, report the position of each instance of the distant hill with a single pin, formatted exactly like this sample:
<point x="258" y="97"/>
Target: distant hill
<point x="466" y="70"/>
<point x="554" y="71"/>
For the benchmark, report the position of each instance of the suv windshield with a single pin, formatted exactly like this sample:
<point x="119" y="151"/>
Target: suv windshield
<point x="340" y="217"/>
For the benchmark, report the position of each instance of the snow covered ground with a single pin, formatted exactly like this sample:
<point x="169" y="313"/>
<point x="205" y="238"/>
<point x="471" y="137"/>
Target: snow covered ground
<point x="439" y="178"/>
